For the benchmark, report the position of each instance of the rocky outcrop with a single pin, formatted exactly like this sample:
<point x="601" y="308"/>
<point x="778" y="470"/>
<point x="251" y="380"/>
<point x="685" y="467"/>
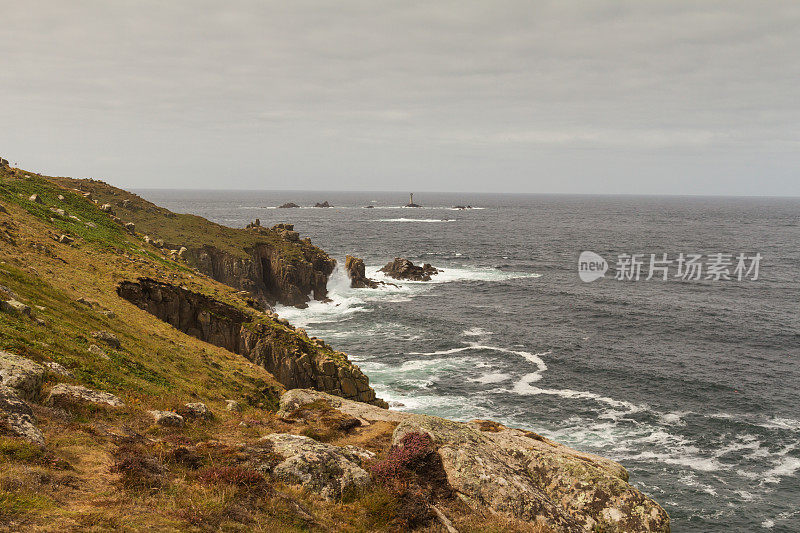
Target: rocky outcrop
<point x="16" y="417"/>
<point x="515" y="472"/>
<point x="14" y="307"/>
<point x="108" y="338"/>
<point x="167" y="418"/>
<point x="329" y="470"/>
<point x="404" y="269"/>
<point x="267" y="271"/>
<point x="63" y="395"/>
<point x="288" y="205"/>
<point x="357" y="273"/>
<point x="276" y="267"/>
<point x="294" y="360"/>
<point x="22" y="375"/>
<point x="196" y="410"/>
<point x="323" y="204"/>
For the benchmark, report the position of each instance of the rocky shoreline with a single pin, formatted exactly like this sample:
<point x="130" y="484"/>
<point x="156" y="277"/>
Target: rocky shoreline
<point x="159" y="388"/>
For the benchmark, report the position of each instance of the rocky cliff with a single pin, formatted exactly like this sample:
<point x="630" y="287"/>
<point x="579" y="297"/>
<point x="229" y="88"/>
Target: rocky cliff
<point x="274" y="264"/>
<point x="292" y="358"/>
<point x="157" y="408"/>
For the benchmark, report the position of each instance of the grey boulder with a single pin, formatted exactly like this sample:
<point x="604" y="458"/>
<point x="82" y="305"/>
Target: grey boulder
<point x="322" y="468"/>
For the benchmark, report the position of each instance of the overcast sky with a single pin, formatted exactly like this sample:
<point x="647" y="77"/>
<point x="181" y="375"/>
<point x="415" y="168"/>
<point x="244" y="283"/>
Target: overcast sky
<point x="577" y="97"/>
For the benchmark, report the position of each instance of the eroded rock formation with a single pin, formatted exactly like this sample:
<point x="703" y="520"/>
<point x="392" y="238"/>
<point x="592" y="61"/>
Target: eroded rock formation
<point x="402" y="268"/>
<point x="295" y="361"/>
<point x="515" y="472"/>
<point x="266" y="273"/>
<point x="357" y="273"/>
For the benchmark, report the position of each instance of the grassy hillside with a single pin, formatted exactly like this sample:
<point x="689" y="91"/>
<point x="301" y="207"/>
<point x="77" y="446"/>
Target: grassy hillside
<point x="113" y="468"/>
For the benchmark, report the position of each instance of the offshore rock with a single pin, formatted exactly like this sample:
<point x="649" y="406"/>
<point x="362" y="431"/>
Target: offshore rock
<point x="322" y="468"/>
<point x="288" y="205"/>
<point x="357" y="274"/>
<point x="295" y="361"/>
<point x="402" y="268"/>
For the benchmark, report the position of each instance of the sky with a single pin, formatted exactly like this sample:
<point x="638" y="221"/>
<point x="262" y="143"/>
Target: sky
<point x="638" y="97"/>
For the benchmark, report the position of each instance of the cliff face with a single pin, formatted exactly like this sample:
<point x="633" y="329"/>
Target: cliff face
<point x="294" y="360"/>
<point x="273" y="264"/>
<point x="265" y="273"/>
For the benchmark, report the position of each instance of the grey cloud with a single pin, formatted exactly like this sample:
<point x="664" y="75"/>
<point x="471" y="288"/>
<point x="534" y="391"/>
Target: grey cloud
<point x="625" y="97"/>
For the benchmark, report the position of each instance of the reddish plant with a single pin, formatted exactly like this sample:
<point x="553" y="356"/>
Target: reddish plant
<point x="233" y="475"/>
<point x="414" y="448"/>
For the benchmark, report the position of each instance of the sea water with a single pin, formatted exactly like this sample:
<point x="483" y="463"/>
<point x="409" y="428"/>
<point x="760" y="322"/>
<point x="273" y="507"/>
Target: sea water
<point x="693" y="385"/>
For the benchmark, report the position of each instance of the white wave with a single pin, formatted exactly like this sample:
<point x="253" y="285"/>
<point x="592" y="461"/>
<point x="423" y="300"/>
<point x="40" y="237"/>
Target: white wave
<point x="768" y="524"/>
<point x="494" y="377"/>
<point x="583" y="395"/>
<point x="674" y="419"/>
<point x="429" y="220"/>
<point x="535" y="358"/>
<point x="689" y="459"/>
<point x="451" y="274"/>
<point x="785" y="467"/>
<point x="475" y="332"/>
<point x="343" y="302"/>
<point x="770" y="423"/>
<point x="782" y="423"/>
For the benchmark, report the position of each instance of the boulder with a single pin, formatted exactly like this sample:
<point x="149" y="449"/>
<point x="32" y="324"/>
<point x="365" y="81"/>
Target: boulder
<point x="322" y="468"/>
<point x="233" y="406"/>
<point x="107" y="208"/>
<point x="527" y="476"/>
<point x="35" y="198"/>
<point x="516" y="472"/>
<point x="59" y="370"/>
<point x="357" y="274"/>
<point x="98" y="351"/>
<point x="14" y="307"/>
<point x="58" y="211"/>
<point x="130" y="226"/>
<point x="7" y="292"/>
<point x="402" y="268"/>
<point x="66" y="239"/>
<point x="63" y="395"/>
<point x="22" y="375"/>
<point x="167" y="418"/>
<point x="17" y="418"/>
<point x="196" y="410"/>
<point x="108" y="338"/>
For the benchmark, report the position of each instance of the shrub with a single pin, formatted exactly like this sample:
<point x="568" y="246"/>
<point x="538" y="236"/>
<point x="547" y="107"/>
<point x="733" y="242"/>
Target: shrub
<point x="414" y="449"/>
<point x="186" y="457"/>
<point x="233" y="475"/>
<point x="138" y="468"/>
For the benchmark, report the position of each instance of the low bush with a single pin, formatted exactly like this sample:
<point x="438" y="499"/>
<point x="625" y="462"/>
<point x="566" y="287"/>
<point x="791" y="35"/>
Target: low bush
<point x="137" y="467"/>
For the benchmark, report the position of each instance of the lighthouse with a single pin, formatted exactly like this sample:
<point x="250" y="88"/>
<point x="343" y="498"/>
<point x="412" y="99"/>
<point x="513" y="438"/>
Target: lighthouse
<point x="411" y="201"/>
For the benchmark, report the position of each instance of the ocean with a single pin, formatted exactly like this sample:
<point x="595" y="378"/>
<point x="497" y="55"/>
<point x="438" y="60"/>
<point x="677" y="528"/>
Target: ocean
<point x="692" y="384"/>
